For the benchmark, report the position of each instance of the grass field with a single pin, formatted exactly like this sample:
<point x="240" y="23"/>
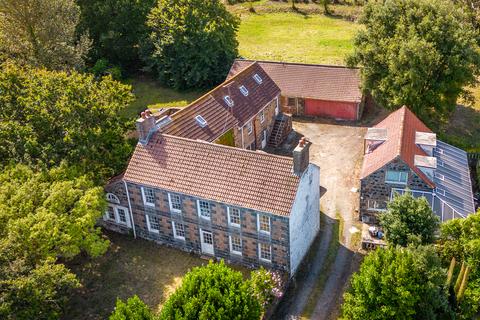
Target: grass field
<point x="131" y="266"/>
<point x="296" y="38"/>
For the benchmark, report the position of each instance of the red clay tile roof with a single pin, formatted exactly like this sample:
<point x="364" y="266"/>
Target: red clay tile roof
<point x="248" y="179"/>
<point x="401" y="127"/>
<point x="331" y="83"/>
<point x="219" y="116"/>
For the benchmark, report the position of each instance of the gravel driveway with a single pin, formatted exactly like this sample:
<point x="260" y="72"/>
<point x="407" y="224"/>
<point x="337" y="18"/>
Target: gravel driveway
<point x="338" y="150"/>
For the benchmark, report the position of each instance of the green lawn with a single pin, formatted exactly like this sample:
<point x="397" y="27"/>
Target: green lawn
<point x="296" y="38"/>
<point x="149" y="93"/>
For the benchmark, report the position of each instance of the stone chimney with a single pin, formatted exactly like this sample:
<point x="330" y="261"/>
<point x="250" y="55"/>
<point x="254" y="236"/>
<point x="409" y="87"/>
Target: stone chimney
<point x="145" y="126"/>
<point x="301" y="157"/>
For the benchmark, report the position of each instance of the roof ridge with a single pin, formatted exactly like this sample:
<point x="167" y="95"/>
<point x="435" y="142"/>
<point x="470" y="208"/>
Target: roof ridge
<point x="300" y="64"/>
<point x="216" y="145"/>
<point x="402" y="129"/>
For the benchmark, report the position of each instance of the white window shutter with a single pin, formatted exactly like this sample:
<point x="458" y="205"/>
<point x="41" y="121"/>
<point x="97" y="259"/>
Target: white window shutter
<point x="147" y="218"/>
<point x="143" y="195"/>
<point x="169" y="201"/>
<point x="198" y="208"/>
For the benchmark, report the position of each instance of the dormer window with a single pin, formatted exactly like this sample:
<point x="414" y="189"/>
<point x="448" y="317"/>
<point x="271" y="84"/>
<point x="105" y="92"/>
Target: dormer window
<point x="257" y="78"/>
<point x="244" y="90"/>
<point x="201" y="121"/>
<point x="228" y="100"/>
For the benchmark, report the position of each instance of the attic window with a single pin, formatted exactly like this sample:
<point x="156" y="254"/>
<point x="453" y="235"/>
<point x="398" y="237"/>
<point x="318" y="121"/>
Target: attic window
<point x="201" y="121"/>
<point x="257" y="78"/>
<point x="228" y="100"/>
<point x="244" y="90"/>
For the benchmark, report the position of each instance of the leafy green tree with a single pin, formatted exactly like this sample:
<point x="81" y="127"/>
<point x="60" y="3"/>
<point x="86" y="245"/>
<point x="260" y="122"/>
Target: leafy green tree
<point x="118" y="30"/>
<point x="460" y="238"/>
<point x="133" y="309"/>
<point x="50" y="116"/>
<point x="214" y="291"/>
<point x="42" y="33"/>
<point x="398" y="283"/>
<point x="194" y="42"/>
<point x="44" y="216"/>
<point x="419" y="53"/>
<point x="409" y="220"/>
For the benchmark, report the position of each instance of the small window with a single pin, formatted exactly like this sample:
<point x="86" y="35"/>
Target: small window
<point x="257" y="78"/>
<point x="263" y="223"/>
<point x="228" y="100"/>
<point x="244" y="90"/>
<point x="153" y="223"/>
<point x="122" y="215"/>
<point x="234" y="217"/>
<point x="112" y="198"/>
<point x="175" y="202"/>
<point x="441" y="191"/>
<point x="110" y="213"/>
<point x="178" y="230"/>
<point x="439" y="176"/>
<point x="236" y="245"/>
<point x="399" y="177"/>
<point x="201" y="121"/>
<point x="377" y="205"/>
<point x="439" y="151"/>
<point x="262" y="116"/>
<point x="204" y="209"/>
<point x="148" y="196"/>
<point x="291" y="101"/>
<point x="265" y="252"/>
<point x="440" y="163"/>
<point x="249" y="127"/>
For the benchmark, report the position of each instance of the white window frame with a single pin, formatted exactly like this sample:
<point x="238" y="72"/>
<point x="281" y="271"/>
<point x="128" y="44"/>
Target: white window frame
<point x="259" y="224"/>
<point x="229" y="101"/>
<point x="400" y="172"/>
<point x="199" y="211"/>
<point x="115" y="208"/>
<point x="249" y="126"/>
<point x="149" y="226"/>
<point x="231" y="245"/>
<point x="372" y="205"/>
<point x="144" y="198"/>
<point x="257" y="78"/>
<point x="112" y="198"/>
<point x="243" y="90"/>
<point x="172" y="209"/>
<point x="230" y="223"/>
<point x="174" y="228"/>
<point x="260" y="252"/>
<point x="262" y="116"/>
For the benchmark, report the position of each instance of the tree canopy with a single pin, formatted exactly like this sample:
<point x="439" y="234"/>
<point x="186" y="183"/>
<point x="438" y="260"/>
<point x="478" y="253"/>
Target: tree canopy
<point x="44" y="216"/>
<point x="194" y="42"/>
<point x="214" y="291"/>
<point x="409" y="220"/>
<point x="118" y="30"/>
<point x="42" y="33"/>
<point x="133" y="309"/>
<point x="64" y="116"/>
<point x="419" y="53"/>
<point x="460" y="238"/>
<point x="398" y="283"/>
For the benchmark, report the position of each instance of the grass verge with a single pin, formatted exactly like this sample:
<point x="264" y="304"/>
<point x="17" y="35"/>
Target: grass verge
<point x="327" y="265"/>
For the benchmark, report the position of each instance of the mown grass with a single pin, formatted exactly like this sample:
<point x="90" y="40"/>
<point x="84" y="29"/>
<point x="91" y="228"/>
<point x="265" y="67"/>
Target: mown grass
<point x="296" y="38"/>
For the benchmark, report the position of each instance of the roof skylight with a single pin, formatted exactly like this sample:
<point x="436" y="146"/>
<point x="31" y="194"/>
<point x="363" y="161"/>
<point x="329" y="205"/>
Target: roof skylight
<point x="257" y="78"/>
<point x="244" y="90"/>
<point x="228" y="100"/>
<point x="201" y="121"/>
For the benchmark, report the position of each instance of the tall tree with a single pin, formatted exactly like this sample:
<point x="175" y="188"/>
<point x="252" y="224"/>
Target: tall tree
<point x="398" y="283"/>
<point x="42" y="33"/>
<point x="194" y="42"/>
<point x="420" y="53"/>
<point x="118" y="30"/>
<point x="50" y="116"/>
<point x="409" y="220"/>
<point x="44" y="216"/>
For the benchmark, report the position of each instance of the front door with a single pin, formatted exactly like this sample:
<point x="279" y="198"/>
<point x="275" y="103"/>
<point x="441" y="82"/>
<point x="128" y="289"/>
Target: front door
<point x="206" y="238"/>
<point x="264" y="139"/>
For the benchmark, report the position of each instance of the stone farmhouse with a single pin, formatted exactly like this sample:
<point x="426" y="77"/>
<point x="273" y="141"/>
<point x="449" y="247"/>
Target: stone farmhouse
<point x="194" y="181"/>
<point x="314" y="90"/>
<point x="402" y="154"/>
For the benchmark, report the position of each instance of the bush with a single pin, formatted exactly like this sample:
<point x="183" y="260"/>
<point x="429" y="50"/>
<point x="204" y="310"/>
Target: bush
<point x="134" y="309"/>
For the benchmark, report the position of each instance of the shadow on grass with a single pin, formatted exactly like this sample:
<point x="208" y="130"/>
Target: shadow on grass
<point x="463" y="129"/>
